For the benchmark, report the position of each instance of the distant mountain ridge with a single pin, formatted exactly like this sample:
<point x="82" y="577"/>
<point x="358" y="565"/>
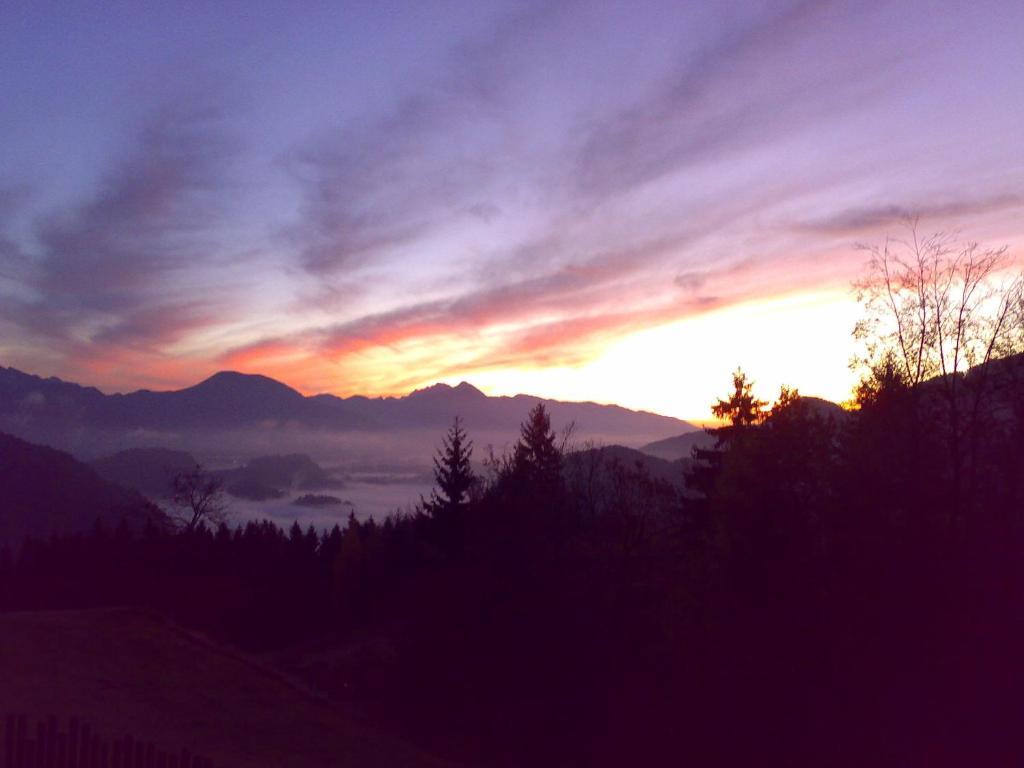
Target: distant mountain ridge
<point x="42" y="407"/>
<point x="678" y="447"/>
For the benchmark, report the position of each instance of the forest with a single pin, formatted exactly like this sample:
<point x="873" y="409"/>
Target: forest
<point x="831" y="587"/>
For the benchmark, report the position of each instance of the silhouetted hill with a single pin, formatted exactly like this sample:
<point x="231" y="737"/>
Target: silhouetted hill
<point x="252" y="490"/>
<point x="678" y="447"/>
<point x="817" y="406"/>
<point x="681" y="446"/>
<point x="293" y="470"/>
<point x="669" y="471"/>
<point x="46" y="490"/>
<point x="271" y="477"/>
<point x="150" y="471"/>
<point x="1002" y="380"/>
<point x="51" y="409"/>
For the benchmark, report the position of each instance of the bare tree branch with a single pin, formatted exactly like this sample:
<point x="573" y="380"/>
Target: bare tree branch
<point x="200" y="497"/>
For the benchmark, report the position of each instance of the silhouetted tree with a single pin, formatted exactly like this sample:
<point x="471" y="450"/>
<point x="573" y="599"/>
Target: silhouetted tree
<point x="453" y="479"/>
<point x="453" y="474"/>
<point x="884" y="380"/>
<point x="740" y="409"/>
<point x="789" y="398"/>
<point x="537" y="458"/>
<point x="937" y="307"/>
<point x="200" y="497"/>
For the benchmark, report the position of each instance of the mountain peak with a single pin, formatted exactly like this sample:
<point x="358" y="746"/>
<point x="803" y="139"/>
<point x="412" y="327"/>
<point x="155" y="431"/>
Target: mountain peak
<point x="234" y="381"/>
<point x="465" y="388"/>
<point x="462" y="390"/>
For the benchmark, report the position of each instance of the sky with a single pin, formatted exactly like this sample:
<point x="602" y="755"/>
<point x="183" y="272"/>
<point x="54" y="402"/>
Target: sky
<point x="609" y="201"/>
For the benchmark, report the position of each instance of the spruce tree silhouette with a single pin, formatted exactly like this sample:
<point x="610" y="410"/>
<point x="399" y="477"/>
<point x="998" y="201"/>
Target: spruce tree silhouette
<point x="537" y="459"/>
<point x="453" y="479"/>
<point x="741" y="410"/>
<point x="538" y="490"/>
<point x="453" y="474"/>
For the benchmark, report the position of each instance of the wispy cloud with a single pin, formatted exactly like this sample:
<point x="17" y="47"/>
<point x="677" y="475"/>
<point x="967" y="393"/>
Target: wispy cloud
<point x="867" y="219"/>
<point x="379" y="182"/>
<point x="120" y="268"/>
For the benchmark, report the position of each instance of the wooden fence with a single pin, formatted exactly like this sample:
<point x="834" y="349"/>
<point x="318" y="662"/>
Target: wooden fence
<point x="46" y="746"/>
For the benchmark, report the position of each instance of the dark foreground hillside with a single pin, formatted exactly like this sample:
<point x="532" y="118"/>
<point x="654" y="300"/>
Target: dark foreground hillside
<point x="47" y="491"/>
<point x="829" y="589"/>
<point x="130" y="671"/>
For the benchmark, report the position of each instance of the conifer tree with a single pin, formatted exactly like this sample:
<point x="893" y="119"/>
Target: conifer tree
<point x="741" y="410"/>
<point x="537" y="458"/>
<point x="540" y="516"/>
<point x="453" y="474"/>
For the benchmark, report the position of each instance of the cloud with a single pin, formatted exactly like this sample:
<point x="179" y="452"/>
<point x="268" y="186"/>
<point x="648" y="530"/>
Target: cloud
<point x="378" y="187"/>
<point x="14" y="262"/>
<point x="863" y="219"/>
<point x="722" y="98"/>
<point x="378" y="183"/>
<point x="690" y="281"/>
<point x="560" y="318"/>
<point x="121" y="267"/>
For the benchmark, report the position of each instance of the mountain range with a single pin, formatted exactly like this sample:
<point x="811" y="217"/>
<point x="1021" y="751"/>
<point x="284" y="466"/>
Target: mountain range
<point x="50" y="409"/>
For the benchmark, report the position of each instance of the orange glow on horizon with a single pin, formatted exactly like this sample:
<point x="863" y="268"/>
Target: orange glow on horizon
<point x="680" y="368"/>
<point x="675" y="367"/>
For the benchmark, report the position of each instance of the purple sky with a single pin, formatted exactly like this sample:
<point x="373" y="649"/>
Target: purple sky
<point x="368" y="197"/>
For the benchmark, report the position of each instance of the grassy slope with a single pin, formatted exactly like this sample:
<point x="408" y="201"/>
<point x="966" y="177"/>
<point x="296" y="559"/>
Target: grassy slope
<point x="128" y="671"/>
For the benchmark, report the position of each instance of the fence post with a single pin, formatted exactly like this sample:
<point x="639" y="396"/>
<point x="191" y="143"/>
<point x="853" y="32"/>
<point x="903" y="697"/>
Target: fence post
<point x="47" y="746"/>
<point x="9" y="740"/>
<point x="51" y="741"/>
<point x="73" y="743"/>
<point x="84" y="746"/>
<point x="62" y="750"/>
<point x="19" y="743"/>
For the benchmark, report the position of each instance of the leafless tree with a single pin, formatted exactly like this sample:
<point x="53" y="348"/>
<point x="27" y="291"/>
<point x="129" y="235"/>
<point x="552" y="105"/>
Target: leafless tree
<point x="567" y="439"/>
<point x="939" y="307"/>
<point x="200" y="497"/>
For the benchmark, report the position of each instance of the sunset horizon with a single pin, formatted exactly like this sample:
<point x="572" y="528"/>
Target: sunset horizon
<point x="517" y="196"/>
<point x="835" y="382"/>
